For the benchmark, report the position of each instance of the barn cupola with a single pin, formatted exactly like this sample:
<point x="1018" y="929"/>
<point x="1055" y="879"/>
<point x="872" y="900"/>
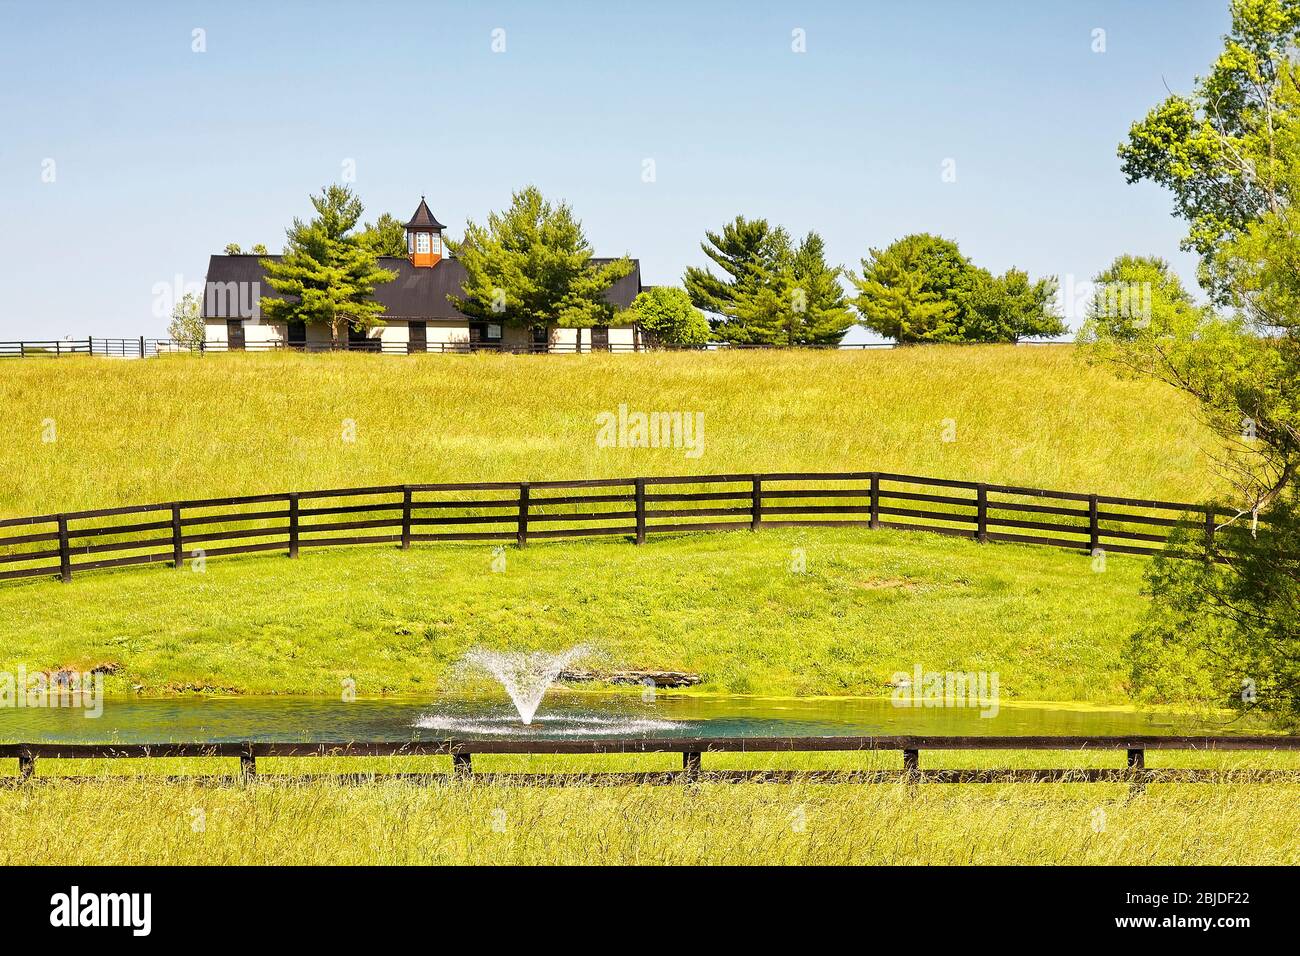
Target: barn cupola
<point x="424" y="238"/>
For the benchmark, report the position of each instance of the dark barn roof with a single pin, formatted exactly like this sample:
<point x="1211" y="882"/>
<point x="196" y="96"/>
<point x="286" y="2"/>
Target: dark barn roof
<point x="414" y="294"/>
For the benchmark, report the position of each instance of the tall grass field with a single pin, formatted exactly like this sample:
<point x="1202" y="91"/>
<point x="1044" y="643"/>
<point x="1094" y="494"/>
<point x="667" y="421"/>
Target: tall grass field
<point x="150" y="821"/>
<point x="81" y="433"/>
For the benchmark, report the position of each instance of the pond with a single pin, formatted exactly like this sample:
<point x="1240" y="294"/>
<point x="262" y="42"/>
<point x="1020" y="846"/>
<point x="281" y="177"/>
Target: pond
<point x="214" y="719"/>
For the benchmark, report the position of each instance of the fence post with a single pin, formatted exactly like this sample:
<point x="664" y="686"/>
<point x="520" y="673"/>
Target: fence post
<point x="640" y="511"/>
<point x="912" y="765"/>
<point x="521" y="535"/>
<point x="58" y="348"/>
<point x="875" y="501"/>
<point x="1209" y="527"/>
<point x="756" y="503"/>
<point x="142" y="346"/>
<point x="1094" y="530"/>
<point x="982" y="514"/>
<point x="90" y="345"/>
<point x="65" y="552"/>
<point x="692" y="763"/>
<point x="293" y="526"/>
<point x="1137" y="766"/>
<point x="178" y="555"/>
<point x="247" y="762"/>
<point x="22" y="349"/>
<point x="462" y="765"/>
<point x="26" y="766"/>
<point x="406" y="518"/>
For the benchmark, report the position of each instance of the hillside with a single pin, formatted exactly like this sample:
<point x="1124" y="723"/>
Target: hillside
<point x="725" y="606"/>
<point x="182" y="427"/>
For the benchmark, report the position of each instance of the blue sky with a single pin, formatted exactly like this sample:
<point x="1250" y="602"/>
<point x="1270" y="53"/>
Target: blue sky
<point x="162" y="155"/>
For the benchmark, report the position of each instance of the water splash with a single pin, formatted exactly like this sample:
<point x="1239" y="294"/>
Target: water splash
<point x="526" y="675"/>
<point x="555" y="725"/>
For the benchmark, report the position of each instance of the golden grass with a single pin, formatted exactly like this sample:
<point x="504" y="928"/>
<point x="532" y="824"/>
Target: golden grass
<point x="184" y="427"/>
<point x="147" y="821"/>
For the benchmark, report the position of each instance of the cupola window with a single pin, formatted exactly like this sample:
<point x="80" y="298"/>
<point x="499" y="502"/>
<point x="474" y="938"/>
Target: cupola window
<point x="424" y="238"/>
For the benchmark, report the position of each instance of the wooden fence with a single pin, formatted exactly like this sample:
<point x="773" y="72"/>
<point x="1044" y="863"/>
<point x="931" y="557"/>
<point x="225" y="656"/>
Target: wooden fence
<point x="518" y="512"/>
<point x="693" y="750"/>
<point x="138" y="347"/>
<point x="144" y="347"/>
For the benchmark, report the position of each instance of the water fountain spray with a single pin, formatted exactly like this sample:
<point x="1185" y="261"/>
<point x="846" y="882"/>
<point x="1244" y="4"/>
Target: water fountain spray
<point x="525" y="675"/>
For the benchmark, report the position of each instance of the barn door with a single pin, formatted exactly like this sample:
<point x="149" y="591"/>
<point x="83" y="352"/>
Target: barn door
<point x="418" y="338"/>
<point x="234" y="334"/>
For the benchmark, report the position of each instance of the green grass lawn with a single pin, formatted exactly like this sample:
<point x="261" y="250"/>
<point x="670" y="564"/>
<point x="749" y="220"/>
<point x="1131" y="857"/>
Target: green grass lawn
<point x="184" y="427"/>
<point x="726" y="606"/>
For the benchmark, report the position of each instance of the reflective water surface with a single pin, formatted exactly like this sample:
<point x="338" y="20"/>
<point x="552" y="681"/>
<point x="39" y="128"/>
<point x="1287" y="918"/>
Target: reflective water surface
<point x="202" y="719"/>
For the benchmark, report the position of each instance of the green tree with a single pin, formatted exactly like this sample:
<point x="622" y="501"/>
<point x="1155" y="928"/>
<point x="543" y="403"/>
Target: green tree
<point x="1224" y="626"/>
<point x="232" y="249"/>
<point x="1224" y="150"/>
<point x="921" y="288"/>
<point x="531" y="266"/>
<point x="328" y="271"/>
<point x="770" y="292"/>
<point x="186" y="325"/>
<point x="386" y="236"/>
<point x="667" y="316"/>
<point x="1229" y="153"/>
<point x="915" y="290"/>
<point x="1221" y="626"/>
<point x="259" y="250"/>
<point x="1012" y="307"/>
<point x="747" y="301"/>
<point x="819" y="312"/>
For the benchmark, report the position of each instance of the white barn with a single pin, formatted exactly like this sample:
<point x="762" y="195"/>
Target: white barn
<point x="417" y="315"/>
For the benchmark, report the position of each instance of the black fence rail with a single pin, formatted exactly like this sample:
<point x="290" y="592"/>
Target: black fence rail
<point x="138" y="347"/>
<point x="144" y="347"/>
<point x="382" y="347"/>
<point x="693" y="750"/>
<point x="501" y="513"/>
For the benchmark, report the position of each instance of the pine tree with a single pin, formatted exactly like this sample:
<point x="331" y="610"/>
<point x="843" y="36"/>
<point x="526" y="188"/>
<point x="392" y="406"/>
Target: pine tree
<point x="386" y="236"/>
<point x="770" y="293"/>
<point x="327" y="269"/>
<point x="820" y="313"/>
<point x="913" y="290"/>
<point x="531" y="266"/>
<point x="747" y="303"/>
